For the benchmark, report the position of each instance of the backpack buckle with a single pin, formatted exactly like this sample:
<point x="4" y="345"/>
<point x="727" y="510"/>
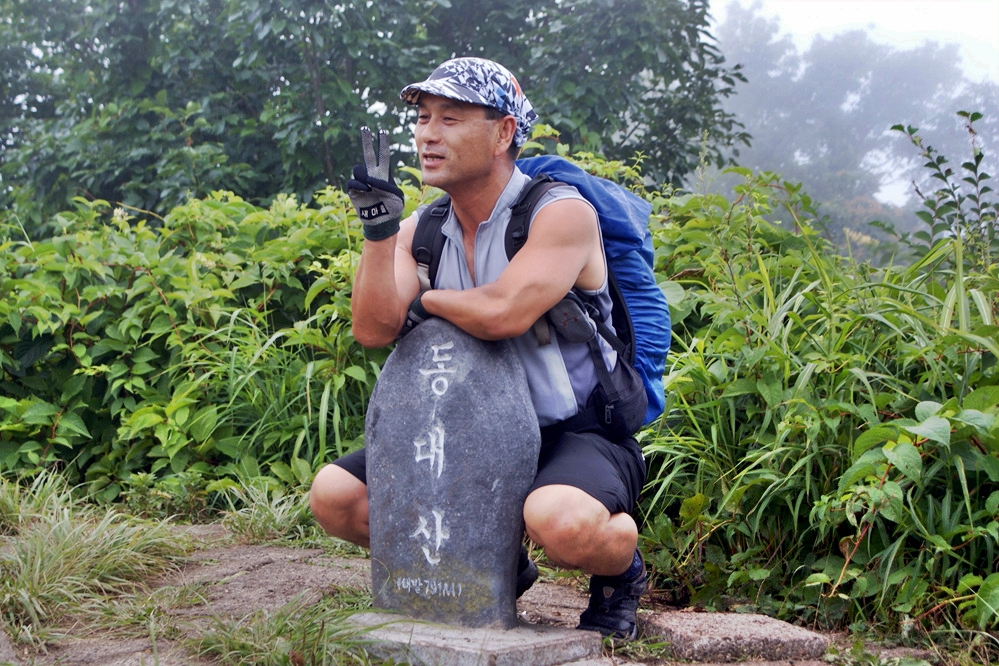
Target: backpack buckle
<point x="571" y="320"/>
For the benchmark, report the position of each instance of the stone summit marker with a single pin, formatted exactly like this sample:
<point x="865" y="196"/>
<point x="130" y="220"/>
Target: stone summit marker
<point x="452" y="446"/>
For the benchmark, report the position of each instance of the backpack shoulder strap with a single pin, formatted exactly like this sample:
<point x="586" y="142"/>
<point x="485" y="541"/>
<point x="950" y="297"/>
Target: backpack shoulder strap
<point x="428" y="241"/>
<point x="623" y="338"/>
<point x="522" y="211"/>
<point x="521" y="214"/>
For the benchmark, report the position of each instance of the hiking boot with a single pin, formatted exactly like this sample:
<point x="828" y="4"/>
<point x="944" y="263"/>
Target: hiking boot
<point x="613" y="608"/>
<point x="527" y="573"/>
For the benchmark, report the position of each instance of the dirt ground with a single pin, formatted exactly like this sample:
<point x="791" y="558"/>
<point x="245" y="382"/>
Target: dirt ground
<point x="237" y="580"/>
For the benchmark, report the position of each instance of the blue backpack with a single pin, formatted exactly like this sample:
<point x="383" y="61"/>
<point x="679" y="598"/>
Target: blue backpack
<point x="640" y="314"/>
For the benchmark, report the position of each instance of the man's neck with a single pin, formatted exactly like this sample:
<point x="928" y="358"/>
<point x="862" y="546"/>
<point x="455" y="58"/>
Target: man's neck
<point x="474" y="203"/>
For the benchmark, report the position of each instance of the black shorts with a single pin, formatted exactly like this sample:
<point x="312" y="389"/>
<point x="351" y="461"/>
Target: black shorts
<point x="611" y="472"/>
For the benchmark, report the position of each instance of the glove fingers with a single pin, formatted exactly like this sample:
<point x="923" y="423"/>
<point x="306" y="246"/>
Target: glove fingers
<point x="378" y="201"/>
<point x="383" y="154"/>
<point x="376" y="157"/>
<point x="385" y="186"/>
<point x="359" y="183"/>
<point x="370" y="161"/>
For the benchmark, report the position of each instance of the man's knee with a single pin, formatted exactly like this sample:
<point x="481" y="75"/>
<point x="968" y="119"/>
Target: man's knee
<point x="578" y="531"/>
<point x="563" y="515"/>
<point x="339" y="502"/>
<point x="325" y="490"/>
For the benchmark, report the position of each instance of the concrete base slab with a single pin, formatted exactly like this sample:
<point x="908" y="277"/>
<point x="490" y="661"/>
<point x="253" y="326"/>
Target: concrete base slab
<point x="731" y="637"/>
<point x="413" y="642"/>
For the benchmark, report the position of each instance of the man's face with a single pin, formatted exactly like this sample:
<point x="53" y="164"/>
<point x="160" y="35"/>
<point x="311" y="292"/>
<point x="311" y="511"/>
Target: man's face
<point x="456" y="142"/>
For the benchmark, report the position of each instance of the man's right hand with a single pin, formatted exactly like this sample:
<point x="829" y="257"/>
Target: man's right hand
<point x="377" y="199"/>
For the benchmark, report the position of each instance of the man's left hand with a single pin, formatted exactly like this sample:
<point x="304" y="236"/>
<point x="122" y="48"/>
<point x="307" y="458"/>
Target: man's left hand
<point x="377" y="199"/>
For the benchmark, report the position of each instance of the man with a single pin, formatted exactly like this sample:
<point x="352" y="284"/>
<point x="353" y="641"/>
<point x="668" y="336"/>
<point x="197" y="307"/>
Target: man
<point x="472" y="120"/>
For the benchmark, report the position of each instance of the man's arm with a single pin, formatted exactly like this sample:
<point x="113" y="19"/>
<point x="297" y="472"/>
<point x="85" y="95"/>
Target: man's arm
<point x="384" y="287"/>
<point x="563" y="250"/>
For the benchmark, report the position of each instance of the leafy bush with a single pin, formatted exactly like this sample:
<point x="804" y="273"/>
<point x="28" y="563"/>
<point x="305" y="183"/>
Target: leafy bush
<point x="959" y="208"/>
<point x="211" y="343"/>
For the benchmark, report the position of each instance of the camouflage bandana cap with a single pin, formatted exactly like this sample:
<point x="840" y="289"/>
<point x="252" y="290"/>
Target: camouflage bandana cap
<point x="478" y="81"/>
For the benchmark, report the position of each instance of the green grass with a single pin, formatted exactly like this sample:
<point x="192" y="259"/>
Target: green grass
<point x="262" y="512"/>
<point x="297" y="633"/>
<point x="828" y="452"/>
<point x="69" y="568"/>
<point x="73" y="569"/>
<point x="63" y="558"/>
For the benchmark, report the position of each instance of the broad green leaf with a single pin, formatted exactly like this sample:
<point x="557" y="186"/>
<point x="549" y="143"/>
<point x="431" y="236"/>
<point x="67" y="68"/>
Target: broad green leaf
<point x="244" y="280"/>
<point x="180" y="415"/>
<point x="203" y="423"/>
<point x="356" y="373"/>
<point x="891" y="504"/>
<point x="772" y="391"/>
<point x="741" y="386"/>
<point x="303" y="471"/>
<point x="926" y="409"/>
<point x="283" y="471"/>
<point x="988" y="601"/>
<point x="719" y="369"/>
<point x="673" y="291"/>
<point x="39" y="412"/>
<point x="935" y="429"/>
<point x="71" y="421"/>
<point x="865" y="466"/>
<point x="817" y="579"/>
<point x="143" y="420"/>
<point x="906" y="459"/>
<point x="873" y="437"/>
<point x="980" y="421"/>
<point x="984" y="399"/>
<point x="222" y="485"/>
<point x="990" y="464"/>
<point x="968" y="582"/>
<point x="29" y="352"/>
<point x="692" y="507"/>
<point x="992" y="503"/>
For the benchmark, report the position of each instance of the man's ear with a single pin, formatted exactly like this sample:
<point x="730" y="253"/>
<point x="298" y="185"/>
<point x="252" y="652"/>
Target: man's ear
<point x="507" y="131"/>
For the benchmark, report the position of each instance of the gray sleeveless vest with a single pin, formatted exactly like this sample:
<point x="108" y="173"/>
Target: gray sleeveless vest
<point x="560" y="374"/>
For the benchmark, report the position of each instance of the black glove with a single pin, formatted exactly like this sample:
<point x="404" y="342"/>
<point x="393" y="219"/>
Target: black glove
<point x="376" y="198"/>
<point x="417" y="315"/>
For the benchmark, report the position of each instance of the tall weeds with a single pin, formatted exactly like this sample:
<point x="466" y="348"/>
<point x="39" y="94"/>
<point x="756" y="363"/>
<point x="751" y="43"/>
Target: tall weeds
<point x="830" y="448"/>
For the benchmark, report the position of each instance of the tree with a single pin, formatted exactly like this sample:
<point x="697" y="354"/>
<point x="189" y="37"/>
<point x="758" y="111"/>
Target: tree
<point x="823" y="117"/>
<point x="147" y="102"/>
<point x="617" y="77"/>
